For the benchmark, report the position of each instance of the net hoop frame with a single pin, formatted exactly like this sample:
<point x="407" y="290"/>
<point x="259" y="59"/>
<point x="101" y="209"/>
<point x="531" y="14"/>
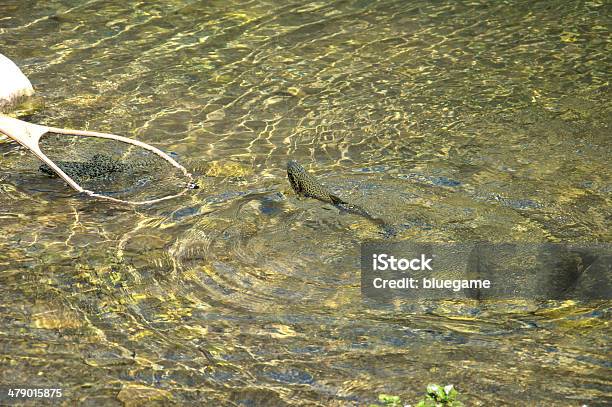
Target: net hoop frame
<point x="29" y="134"/>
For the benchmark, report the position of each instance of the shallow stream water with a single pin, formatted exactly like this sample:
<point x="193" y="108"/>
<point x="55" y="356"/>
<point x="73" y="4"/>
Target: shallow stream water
<point x="456" y="121"/>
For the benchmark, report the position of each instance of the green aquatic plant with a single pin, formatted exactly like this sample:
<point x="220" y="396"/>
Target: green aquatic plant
<point x="437" y="396"/>
<point x="388" y="401"/>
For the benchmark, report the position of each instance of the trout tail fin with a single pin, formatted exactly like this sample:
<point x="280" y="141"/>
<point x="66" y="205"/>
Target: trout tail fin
<point x="337" y="200"/>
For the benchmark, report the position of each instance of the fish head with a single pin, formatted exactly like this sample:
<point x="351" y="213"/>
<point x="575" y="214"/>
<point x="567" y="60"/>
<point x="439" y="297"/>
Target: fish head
<point x="297" y="175"/>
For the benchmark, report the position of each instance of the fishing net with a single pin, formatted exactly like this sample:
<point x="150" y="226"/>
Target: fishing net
<point x="112" y="168"/>
<point x="100" y="164"/>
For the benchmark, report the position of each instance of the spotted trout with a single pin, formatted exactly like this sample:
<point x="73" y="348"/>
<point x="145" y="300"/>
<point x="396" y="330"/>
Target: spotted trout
<point x="306" y="185"/>
<point x="99" y="165"/>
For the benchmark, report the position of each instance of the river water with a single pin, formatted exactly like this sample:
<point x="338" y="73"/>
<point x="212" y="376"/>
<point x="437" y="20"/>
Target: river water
<point x="455" y="120"/>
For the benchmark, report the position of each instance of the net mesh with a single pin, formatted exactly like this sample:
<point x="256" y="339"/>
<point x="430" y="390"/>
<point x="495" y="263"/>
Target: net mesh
<point x="112" y="168"/>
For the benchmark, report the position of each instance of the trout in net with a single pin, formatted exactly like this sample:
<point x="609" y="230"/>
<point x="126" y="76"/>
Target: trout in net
<point x="102" y="165"/>
<point x="111" y="168"/>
